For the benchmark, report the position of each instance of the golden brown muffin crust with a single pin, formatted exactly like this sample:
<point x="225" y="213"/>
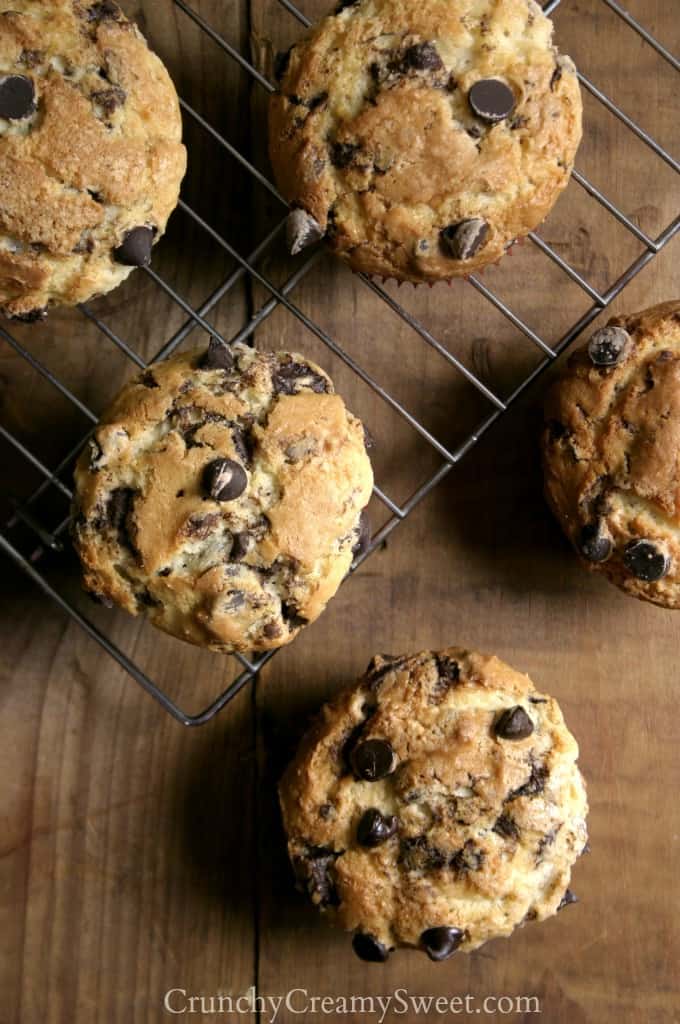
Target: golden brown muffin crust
<point x="97" y="156"/>
<point x="237" y="573"/>
<point x="480" y="804"/>
<point x="611" y="448"/>
<point x="372" y="132"/>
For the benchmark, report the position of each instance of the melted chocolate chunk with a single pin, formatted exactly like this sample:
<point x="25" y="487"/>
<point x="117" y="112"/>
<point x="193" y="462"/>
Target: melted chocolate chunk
<point x="290" y="377"/>
<point x="534" y="785"/>
<point x="506" y="826"/>
<point x="217" y="357"/>
<point x="416" y="854"/>
<point x="373" y="760"/>
<point x="107" y="10"/>
<point x="646" y="561"/>
<point x="568" y="898"/>
<point x="608" y="346"/>
<point x="375" y="829"/>
<point x="148" y="380"/>
<point x="290" y="615"/>
<point x="491" y="99"/>
<point x="109" y="99"/>
<point x="225" y="479"/>
<point x="281" y="62"/>
<point x="442" y="942"/>
<point x="423" y="57"/>
<point x="376" y="671"/>
<point x="469" y="858"/>
<point x="368" y="948"/>
<point x="241" y="545"/>
<point x="313" y="874"/>
<point x="119" y="506"/>
<point x="555" y="77"/>
<point x="342" y="153"/>
<point x="33" y="316"/>
<point x="135" y="249"/>
<point x="17" y="97"/>
<point x="363" y="536"/>
<point x="463" y="240"/>
<point x="201" y="527"/>
<point x="594" y="544"/>
<point x="514" y="724"/>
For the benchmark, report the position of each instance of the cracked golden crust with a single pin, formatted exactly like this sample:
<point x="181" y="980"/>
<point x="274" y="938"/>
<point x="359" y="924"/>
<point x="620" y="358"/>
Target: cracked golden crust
<point x="611" y="450"/>
<point x="101" y="155"/>
<point x="488" y="828"/>
<point x="237" y="575"/>
<point x="422" y="160"/>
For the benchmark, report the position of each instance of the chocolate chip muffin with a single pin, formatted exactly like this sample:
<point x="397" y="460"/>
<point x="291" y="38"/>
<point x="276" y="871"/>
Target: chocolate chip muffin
<point x="436" y="805"/>
<point x="222" y="496"/>
<point x="611" y="448"/>
<point x="422" y="137"/>
<point x="91" y="158"/>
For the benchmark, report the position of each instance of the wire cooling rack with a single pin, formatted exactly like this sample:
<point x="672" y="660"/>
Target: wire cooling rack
<point x="24" y="514"/>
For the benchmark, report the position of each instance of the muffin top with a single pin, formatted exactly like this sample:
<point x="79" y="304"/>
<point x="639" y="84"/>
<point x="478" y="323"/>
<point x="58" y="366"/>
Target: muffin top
<point x="611" y="448"/>
<point x="424" y="137"/>
<point x="91" y="158"/>
<point x="437" y="804"/>
<point x="222" y="495"/>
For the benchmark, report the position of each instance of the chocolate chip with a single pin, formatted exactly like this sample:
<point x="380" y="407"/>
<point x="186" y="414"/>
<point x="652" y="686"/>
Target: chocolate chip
<point x="506" y="826"/>
<point x="342" y="153"/>
<point x="374" y="828"/>
<point x="135" y="249"/>
<point x="241" y="545"/>
<point x="119" y="504"/>
<point x="442" y="942"/>
<point x="302" y="230"/>
<point x="291" y="615"/>
<point x="367" y="947"/>
<point x="363" y="536"/>
<point x="514" y="724"/>
<point x="569" y="897"/>
<point x="491" y="99"/>
<point x="148" y="380"/>
<point x="224" y="479"/>
<point x="608" y="346"/>
<point x="644" y="559"/>
<point x="17" y="97"/>
<point x="109" y="99"/>
<point x="469" y="858"/>
<point x="594" y="544"/>
<point x="217" y="356"/>
<point x="290" y="377"/>
<point x="423" y="57"/>
<point x="373" y="760"/>
<point x="165" y="572"/>
<point x="555" y="77"/>
<point x="463" y="240"/>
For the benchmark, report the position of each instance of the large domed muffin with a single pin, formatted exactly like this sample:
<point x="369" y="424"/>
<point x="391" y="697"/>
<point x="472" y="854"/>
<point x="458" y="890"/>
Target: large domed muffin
<point x="436" y="805"/>
<point x="611" y="452"/>
<point x="91" y="158"/>
<point x="422" y="137"/>
<point x="222" y="495"/>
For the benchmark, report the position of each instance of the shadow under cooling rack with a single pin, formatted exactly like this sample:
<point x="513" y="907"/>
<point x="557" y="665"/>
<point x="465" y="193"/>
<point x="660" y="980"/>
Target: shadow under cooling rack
<point x="24" y="513"/>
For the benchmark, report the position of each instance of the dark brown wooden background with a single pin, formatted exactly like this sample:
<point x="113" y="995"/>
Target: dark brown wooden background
<point x="136" y="856"/>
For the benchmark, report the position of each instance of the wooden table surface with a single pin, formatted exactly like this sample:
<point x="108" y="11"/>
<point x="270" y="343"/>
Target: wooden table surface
<point x="137" y="856"/>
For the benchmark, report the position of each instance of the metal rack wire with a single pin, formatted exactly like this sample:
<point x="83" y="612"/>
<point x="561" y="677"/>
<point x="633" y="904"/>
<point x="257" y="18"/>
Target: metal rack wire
<point x="52" y="539"/>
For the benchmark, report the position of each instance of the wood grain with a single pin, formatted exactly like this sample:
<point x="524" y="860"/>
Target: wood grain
<point x="137" y="857"/>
